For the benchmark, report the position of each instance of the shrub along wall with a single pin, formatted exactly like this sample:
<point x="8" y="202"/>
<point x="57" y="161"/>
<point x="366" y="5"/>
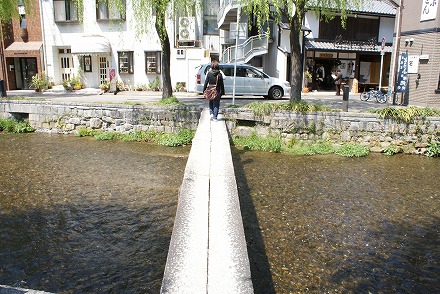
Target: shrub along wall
<point x="69" y="117"/>
<point x="364" y="128"/>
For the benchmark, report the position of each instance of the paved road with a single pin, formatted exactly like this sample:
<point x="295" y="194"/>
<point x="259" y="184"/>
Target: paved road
<point x="94" y="96"/>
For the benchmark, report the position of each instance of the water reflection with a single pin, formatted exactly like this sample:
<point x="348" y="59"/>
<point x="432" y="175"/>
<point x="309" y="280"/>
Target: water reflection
<point x="86" y="216"/>
<point x="337" y="225"/>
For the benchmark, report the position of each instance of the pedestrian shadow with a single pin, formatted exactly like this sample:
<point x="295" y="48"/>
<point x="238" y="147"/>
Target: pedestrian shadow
<point x="259" y="263"/>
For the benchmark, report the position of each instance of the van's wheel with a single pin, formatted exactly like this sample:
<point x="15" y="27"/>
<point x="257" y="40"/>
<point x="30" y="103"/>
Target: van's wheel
<point x="276" y="93"/>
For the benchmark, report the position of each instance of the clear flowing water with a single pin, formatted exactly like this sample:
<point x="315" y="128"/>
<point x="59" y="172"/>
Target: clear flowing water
<point x="329" y="224"/>
<point x="79" y="215"/>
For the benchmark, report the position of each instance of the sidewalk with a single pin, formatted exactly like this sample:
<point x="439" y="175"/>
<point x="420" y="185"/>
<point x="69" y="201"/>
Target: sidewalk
<point x="91" y="95"/>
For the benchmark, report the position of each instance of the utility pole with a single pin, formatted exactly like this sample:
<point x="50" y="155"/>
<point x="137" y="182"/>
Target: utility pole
<point x="392" y="81"/>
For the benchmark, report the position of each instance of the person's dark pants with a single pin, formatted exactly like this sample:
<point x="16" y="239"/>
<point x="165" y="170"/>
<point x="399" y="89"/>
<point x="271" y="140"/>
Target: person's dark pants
<point x="338" y="89"/>
<point x="214" y="106"/>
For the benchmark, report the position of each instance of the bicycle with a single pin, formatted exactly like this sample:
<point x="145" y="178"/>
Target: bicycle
<point x="384" y="97"/>
<point x="376" y="94"/>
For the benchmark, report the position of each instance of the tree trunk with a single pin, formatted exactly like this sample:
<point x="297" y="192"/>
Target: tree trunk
<point x="296" y="60"/>
<point x="167" y="89"/>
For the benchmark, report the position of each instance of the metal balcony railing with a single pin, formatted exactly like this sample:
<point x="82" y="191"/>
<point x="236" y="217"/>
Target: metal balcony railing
<point x="254" y="46"/>
<point x="225" y="6"/>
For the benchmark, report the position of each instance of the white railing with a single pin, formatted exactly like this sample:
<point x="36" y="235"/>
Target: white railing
<point x="256" y="45"/>
<point x="225" y="6"/>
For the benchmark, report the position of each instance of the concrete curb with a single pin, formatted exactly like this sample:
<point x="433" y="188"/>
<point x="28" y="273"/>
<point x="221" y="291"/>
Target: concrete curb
<point x="11" y="290"/>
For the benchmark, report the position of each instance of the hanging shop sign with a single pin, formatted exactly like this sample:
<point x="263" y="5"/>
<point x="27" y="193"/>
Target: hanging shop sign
<point x="413" y="64"/>
<point x="429" y="10"/>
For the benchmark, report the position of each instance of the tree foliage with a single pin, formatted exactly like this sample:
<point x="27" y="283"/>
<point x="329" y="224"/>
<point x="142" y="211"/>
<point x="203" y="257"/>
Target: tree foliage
<point x="9" y="8"/>
<point x="294" y="12"/>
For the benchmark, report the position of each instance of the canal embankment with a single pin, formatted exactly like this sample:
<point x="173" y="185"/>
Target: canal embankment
<point x="368" y="129"/>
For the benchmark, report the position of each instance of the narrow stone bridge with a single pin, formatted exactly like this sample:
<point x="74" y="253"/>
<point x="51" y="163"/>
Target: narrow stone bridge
<point x="208" y="253"/>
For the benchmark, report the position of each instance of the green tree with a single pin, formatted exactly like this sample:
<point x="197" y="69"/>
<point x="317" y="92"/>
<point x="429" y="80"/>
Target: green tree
<point x="294" y="11"/>
<point x="9" y="9"/>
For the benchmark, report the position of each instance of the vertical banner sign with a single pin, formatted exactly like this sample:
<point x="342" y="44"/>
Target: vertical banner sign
<point x="429" y="9"/>
<point x="402" y="78"/>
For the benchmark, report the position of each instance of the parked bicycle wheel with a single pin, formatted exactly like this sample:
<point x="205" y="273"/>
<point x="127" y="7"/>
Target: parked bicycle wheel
<point x="365" y="96"/>
<point x="380" y="97"/>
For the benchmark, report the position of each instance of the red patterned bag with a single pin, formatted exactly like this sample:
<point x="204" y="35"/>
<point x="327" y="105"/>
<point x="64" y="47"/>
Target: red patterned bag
<point x="211" y="91"/>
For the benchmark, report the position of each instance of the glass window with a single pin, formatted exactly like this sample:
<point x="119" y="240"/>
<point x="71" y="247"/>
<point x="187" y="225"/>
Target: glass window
<point x="106" y="12"/>
<point x="152" y="62"/>
<point x="357" y="29"/>
<point x="210" y="10"/>
<point x="125" y="60"/>
<point x="210" y="25"/>
<point x="86" y="63"/>
<point x="211" y="7"/>
<point x="65" y="10"/>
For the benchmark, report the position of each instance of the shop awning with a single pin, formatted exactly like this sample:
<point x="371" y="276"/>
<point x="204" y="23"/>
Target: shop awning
<point x="91" y="45"/>
<point x="345" y="46"/>
<point x="18" y="49"/>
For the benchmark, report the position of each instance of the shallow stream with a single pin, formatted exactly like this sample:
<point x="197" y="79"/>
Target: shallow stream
<point x="86" y="216"/>
<point x="331" y="224"/>
<point x="79" y="215"/>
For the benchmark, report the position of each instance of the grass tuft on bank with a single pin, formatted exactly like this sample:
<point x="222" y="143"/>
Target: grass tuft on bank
<point x="274" y="143"/>
<point x="14" y="126"/>
<point x="405" y="115"/>
<point x="170" y="101"/>
<point x="303" y="107"/>
<point x="182" y="138"/>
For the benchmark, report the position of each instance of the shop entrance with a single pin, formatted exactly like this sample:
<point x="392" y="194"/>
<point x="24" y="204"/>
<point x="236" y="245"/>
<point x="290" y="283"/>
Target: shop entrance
<point x="322" y="74"/>
<point x="27" y="68"/>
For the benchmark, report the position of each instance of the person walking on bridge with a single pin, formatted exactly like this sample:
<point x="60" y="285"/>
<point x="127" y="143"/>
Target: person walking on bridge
<point x="215" y="77"/>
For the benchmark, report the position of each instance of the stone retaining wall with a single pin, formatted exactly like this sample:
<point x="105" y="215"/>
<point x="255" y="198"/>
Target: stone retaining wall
<point x="68" y="117"/>
<point x="364" y="128"/>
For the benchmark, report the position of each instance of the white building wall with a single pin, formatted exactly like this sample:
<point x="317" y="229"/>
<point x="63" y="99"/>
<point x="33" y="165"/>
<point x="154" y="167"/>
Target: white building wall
<point x="281" y="65"/>
<point x="386" y="29"/>
<point x="122" y="37"/>
<point x="312" y="22"/>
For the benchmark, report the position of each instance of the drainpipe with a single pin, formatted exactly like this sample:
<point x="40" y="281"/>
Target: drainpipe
<point x="44" y="63"/>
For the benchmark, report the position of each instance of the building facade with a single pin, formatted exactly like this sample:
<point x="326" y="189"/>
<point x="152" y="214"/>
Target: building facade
<point x="356" y="49"/>
<point x="103" y="44"/>
<point x="21" y="49"/>
<point x="420" y="40"/>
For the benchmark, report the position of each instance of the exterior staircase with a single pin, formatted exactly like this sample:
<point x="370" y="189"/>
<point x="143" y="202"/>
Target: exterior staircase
<point x="254" y="46"/>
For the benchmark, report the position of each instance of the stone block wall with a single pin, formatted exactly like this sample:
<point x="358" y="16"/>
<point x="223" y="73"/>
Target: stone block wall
<point x="364" y="128"/>
<point x="69" y="117"/>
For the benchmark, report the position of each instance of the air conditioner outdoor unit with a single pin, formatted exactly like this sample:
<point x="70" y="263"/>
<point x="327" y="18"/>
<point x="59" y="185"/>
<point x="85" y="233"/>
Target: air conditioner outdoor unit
<point x="187" y="28"/>
<point x="180" y="53"/>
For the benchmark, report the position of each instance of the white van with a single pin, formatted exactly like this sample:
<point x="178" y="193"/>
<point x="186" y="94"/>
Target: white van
<point x="249" y="81"/>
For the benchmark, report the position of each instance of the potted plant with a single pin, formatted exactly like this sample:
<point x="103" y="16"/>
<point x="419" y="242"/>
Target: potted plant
<point x="67" y="84"/>
<point x="307" y="78"/>
<point x="39" y="82"/>
<point x="105" y="86"/>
